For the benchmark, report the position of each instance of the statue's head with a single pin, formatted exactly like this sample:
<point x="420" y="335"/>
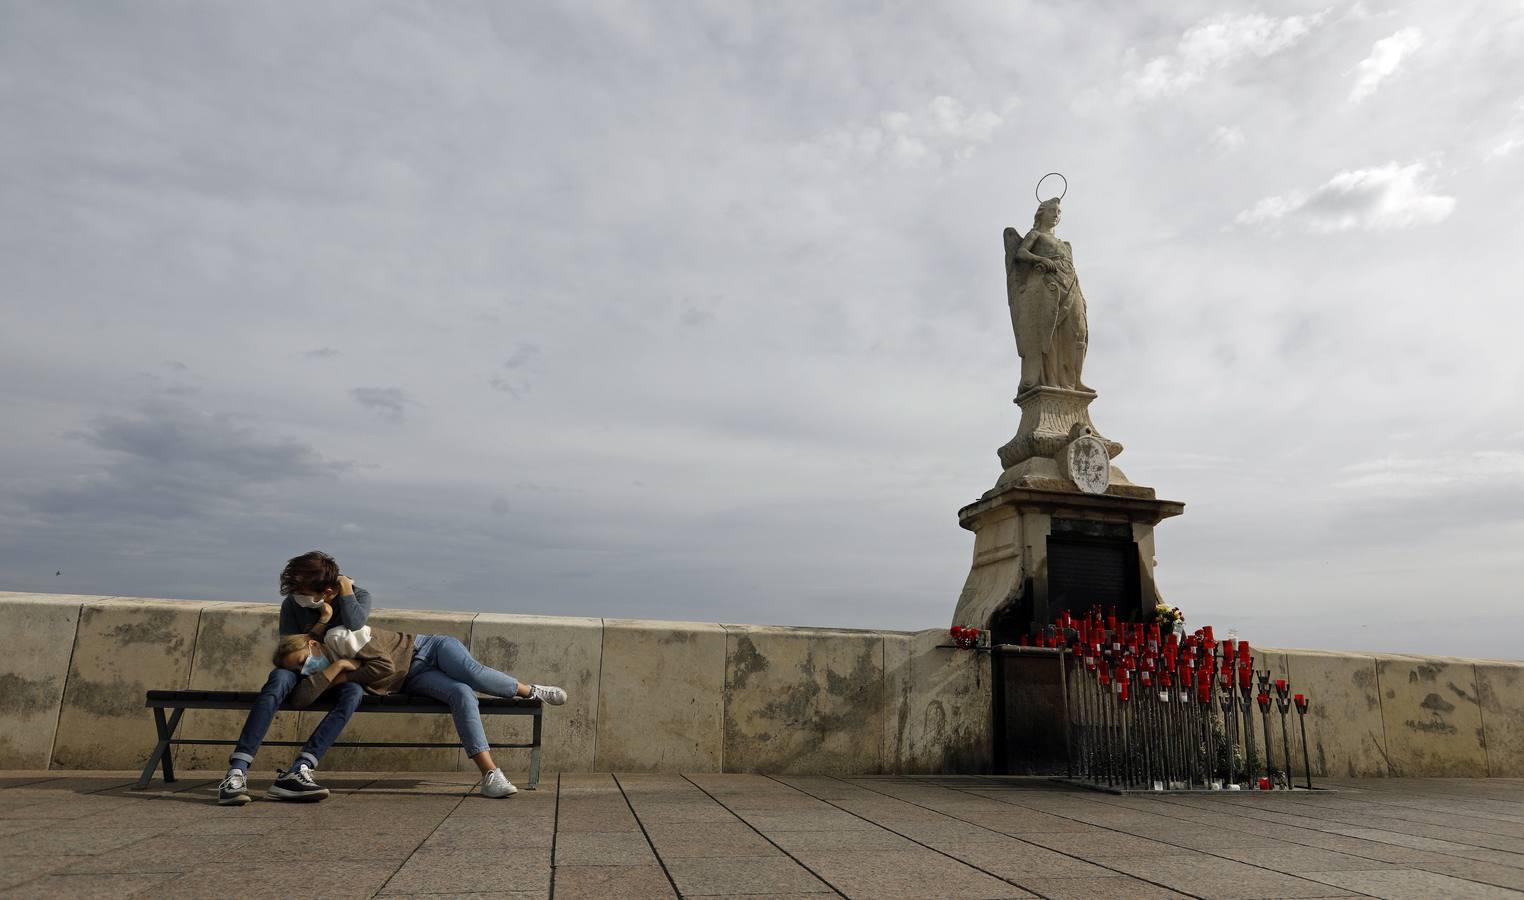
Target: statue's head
<point x="1047" y="214"/>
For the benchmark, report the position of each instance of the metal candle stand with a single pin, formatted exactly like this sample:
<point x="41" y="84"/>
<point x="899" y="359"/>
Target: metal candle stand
<point x="1301" y="715"/>
<point x="1147" y="711"/>
<point x="1283" y="703"/>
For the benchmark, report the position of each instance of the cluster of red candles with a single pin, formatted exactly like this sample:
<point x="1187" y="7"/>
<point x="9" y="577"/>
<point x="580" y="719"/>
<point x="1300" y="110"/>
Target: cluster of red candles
<point x="1117" y="659"/>
<point x="1116" y="651"/>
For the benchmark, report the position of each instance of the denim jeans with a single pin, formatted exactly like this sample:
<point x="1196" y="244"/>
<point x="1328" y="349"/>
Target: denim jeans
<point x="444" y="670"/>
<point x="346" y="698"/>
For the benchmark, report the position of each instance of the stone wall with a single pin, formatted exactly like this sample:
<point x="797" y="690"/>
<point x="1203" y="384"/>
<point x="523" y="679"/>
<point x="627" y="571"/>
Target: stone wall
<point x="645" y="696"/>
<point x="654" y="696"/>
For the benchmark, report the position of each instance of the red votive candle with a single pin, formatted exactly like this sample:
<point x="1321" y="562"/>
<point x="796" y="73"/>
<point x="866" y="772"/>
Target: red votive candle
<point x="1298" y="699"/>
<point x="1206" y="632"/>
<point x="1243" y="651"/>
<point x="1264" y="784"/>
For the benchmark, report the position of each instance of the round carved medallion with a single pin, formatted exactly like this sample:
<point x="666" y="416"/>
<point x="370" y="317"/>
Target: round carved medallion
<point x="1088" y="464"/>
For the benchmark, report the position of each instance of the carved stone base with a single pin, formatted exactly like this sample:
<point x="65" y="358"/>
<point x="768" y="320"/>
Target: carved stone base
<point x="1051" y="418"/>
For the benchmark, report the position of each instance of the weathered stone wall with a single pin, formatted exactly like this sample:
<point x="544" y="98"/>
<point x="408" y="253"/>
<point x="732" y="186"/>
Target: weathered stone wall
<point x="645" y="696"/>
<point x="679" y="696"/>
<point x="1398" y="715"/>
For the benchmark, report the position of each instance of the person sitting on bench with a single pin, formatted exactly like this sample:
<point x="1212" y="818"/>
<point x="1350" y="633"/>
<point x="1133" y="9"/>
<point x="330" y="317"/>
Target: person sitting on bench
<point x="430" y="665"/>
<point x="310" y="582"/>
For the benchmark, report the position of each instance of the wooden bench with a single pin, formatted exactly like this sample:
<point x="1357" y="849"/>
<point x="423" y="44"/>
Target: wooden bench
<point x="177" y="702"/>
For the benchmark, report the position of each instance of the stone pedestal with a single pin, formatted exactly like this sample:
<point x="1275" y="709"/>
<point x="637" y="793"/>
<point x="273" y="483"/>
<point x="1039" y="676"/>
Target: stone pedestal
<point x="1010" y="584"/>
<point x="1062" y="528"/>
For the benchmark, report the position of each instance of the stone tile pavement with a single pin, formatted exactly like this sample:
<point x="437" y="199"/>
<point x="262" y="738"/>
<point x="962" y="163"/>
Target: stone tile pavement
<point x="638" y="836"/>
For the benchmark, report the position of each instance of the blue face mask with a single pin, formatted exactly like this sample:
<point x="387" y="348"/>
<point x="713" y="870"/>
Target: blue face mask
<point x="314" y="665"/>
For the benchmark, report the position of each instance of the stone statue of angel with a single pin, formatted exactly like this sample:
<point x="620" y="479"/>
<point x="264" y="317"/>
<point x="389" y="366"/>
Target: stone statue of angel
<point x="1047" y="305"/>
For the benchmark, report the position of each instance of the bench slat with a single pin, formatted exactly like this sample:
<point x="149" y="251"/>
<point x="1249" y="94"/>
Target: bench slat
<point x="371" y="703"/>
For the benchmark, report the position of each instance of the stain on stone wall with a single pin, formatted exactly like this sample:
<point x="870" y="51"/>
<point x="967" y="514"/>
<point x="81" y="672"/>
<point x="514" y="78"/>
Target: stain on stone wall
<point x="27" y="695"/>
<point x="802" y="702"/>
<point x="1432" y="719"/>
<point x="155" y="628"/>
<point x="745" y="662"/>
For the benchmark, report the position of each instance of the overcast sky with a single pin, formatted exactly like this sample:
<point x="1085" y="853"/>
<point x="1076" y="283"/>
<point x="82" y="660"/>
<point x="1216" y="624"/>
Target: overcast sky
<point x="696" y="311"/>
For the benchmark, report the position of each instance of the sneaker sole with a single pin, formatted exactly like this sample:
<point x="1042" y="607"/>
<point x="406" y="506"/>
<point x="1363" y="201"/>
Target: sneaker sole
<point x="275" y="793"/>
<point x="239" y="800"/>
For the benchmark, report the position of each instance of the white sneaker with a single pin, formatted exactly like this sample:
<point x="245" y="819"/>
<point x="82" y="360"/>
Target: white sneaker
<point x="547" y="694"/>
<point x="234" y="789"/>
<point x="496" y="784"/>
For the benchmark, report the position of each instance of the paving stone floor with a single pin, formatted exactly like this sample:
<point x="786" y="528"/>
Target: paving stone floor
<point x="637" y="836"/>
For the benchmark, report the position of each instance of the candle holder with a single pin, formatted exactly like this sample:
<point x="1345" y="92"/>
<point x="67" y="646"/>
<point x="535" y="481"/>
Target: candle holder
<point x="1283" y="701"/>
<point x="1264" y="712"/>
<point x="1301" y="715"/>
<point x="1230" y="724"/>
<point x="1246" y="708"/>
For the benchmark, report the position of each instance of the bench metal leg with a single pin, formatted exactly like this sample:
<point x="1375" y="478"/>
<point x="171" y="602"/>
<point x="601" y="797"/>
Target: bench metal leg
<point x="534" y="755"/>
<point x="162" y="751"/>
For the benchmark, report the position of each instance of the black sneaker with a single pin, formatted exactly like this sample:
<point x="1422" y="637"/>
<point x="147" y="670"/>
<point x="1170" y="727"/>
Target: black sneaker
<point x="296" y="785"/>
<point x="234" y="790"/>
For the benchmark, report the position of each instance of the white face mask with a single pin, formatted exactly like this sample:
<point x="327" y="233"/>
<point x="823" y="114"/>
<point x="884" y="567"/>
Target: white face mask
<point x="307" y="600"/>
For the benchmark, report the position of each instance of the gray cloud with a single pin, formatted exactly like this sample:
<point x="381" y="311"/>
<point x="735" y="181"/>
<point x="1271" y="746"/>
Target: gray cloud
<point x="388" y="402"/>
<point x="513" y="376"/>
<point x="169" y="461"/>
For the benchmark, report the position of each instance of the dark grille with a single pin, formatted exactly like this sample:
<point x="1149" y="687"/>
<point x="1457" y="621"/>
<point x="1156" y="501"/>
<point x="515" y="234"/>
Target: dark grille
<point x="1084" y="573"/>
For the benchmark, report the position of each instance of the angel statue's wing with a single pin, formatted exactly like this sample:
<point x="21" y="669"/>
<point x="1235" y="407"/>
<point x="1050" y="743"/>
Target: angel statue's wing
<point x="1012" y="241"/>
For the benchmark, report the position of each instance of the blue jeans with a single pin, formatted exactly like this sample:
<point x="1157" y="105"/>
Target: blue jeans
<point x="444" y="670"/>
<point x="346" y="697"/>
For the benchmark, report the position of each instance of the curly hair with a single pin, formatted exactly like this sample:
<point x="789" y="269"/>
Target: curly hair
<point x="311" y="573"/>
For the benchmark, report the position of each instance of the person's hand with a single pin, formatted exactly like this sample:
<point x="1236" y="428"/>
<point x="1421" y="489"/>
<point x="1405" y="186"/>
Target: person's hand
<point x="346" y="586"/>
<point x="325" y="612"/>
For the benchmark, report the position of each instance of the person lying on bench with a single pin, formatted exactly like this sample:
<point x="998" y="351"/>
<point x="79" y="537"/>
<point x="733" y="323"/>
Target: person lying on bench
<point x="430" y="665"/>
<point x="310" y="582"/>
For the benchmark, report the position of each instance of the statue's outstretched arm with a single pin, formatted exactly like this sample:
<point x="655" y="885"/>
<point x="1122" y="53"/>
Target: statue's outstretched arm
<point x="1024" y="251"/>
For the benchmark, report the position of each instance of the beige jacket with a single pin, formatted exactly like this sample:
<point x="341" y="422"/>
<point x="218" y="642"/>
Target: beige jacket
<point x="384" y="663"/>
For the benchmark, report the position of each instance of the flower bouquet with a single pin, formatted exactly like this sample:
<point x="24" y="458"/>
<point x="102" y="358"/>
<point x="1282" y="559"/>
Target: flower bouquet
<point x="1170" y="619"/>
<point x="965" y="636"/>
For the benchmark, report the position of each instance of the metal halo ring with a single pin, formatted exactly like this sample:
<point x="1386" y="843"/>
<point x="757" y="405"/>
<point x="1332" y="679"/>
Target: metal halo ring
<point x="1037" y="191"/>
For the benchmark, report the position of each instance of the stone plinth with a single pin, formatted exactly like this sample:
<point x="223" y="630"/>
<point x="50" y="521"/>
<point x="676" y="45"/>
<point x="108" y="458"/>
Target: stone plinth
<point x="1014" y="528"/>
